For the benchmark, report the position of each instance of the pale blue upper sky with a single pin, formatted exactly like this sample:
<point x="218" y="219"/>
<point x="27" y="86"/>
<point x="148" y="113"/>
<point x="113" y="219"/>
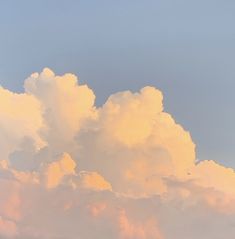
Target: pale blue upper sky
<point x="185" y="47"/>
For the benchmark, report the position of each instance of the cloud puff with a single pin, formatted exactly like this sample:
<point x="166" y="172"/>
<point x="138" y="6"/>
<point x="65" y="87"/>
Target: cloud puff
<point x="20" y="118"/>
<point x="56" y="171"/>
<point x="65" y="104"/>
<point x="125" y="170"/>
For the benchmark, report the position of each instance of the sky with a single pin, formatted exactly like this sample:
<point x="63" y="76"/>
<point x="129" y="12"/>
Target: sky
<point x="117" y="116"/>
<point x="185" y="48"/>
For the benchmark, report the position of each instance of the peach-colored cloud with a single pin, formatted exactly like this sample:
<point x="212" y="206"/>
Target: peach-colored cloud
<point x="55" y="171"/>
<point x="97" y="209"/>
<point x="212" y="175"/>
<point x="129" y="230"/>
<point x="20" y="118"/>
<point x="8" y="228"/>
<point x="65" y="104"/>
<point x="136" y="144"/>
<point x="124" y="170"/>
<point x="94" y="181"/>
<point x="130" y="118"/>
<point x="10" y="201"/>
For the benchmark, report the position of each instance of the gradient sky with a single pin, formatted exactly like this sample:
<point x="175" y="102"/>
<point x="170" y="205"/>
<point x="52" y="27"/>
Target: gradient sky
<point x="185" y="48"/>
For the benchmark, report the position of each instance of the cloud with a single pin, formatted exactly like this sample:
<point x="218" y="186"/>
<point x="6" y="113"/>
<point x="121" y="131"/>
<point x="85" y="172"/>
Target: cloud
<point x="20" y="118"/>
<point x="65" y="104"/>
<point x="134" y="230"/>
<point x="8" y="228"/>
<point x="56" y="171"/>
<point x="125" y="170"/>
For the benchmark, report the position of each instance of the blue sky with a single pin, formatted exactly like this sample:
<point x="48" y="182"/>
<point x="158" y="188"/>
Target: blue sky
<point x="185" y="48"/>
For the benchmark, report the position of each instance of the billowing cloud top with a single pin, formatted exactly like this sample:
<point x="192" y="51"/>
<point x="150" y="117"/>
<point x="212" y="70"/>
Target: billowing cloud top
<point x="125" y="170"/>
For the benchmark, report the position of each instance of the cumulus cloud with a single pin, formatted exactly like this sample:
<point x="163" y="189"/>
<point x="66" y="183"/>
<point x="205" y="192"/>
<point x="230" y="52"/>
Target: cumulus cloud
<point x="20" y="118"/>
<point x="65" y="104"/>
<point x="125" y="170"/>
<point x="56" y="171"/>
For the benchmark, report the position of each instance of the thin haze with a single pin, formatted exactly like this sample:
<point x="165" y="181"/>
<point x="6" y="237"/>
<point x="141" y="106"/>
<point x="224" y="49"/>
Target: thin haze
<point x="185" y="48"/>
